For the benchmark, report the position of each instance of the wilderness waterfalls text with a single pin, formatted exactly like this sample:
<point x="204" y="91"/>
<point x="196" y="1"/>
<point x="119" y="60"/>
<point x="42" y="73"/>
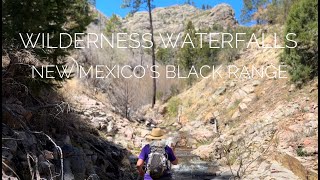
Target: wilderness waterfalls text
<point x="168" y="40"/>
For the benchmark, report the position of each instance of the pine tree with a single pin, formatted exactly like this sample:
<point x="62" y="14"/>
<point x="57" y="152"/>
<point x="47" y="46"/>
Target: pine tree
<point x="164" y="55"/>
<point x="136" y="5"/>
<point x="188" y="54"/>
<point x="113" y="24"/>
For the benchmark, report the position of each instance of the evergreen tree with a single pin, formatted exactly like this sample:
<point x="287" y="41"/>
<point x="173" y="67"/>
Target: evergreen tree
<point x="188" y="54"/>
<point x="303" y="60"/>
<point x="49" y="17"/>
<point x="164" y="55"/>
<point x="113" y="24"/>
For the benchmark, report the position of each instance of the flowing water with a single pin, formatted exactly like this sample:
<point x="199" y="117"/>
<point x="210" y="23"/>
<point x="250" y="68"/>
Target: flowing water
<point x="191" y="167"/>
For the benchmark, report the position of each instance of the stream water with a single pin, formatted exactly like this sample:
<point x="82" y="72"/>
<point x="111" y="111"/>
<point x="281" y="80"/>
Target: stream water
<point x="192" y="167"/>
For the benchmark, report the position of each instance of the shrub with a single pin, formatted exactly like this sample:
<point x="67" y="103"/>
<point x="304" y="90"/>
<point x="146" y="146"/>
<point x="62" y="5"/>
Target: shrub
<point x="163" y="55"/>
<point x="174" y="90"/>
<point x="159" y="95"/>
<point x="301" y="152"/>
<point x="173" y="106"/>
<point x="302" y="60"/>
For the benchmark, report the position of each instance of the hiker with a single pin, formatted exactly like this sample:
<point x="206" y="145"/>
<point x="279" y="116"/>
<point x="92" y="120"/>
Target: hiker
<point x="157" y="157"/>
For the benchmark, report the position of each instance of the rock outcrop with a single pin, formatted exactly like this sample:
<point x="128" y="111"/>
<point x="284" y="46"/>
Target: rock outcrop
<point x="173" y="19"/>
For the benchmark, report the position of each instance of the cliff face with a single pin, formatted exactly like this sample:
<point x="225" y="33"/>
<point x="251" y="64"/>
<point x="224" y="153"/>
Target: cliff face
<point x="174" y="18"/>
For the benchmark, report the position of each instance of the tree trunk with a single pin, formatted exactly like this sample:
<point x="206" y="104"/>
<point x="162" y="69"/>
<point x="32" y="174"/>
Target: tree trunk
<point x="153" y="57"/>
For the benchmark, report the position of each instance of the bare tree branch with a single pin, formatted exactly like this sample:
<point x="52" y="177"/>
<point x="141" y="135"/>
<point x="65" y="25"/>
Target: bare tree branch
<point x="11" y="169"/>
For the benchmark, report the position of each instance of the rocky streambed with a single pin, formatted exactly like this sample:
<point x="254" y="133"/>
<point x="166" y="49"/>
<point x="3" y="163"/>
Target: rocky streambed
<point x="192" y="167"/>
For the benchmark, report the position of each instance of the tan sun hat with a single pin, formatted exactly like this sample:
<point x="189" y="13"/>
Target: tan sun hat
<point x="156" y="133"/>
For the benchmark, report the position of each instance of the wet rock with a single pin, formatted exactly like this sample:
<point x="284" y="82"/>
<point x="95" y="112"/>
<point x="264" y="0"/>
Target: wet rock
<point x="203" y="151"/>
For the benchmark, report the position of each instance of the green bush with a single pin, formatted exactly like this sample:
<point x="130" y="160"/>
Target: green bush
<point x="173" y="106"/>
<point x="113" y="25"/>
<point x="159" y="95"/>
<point x="174" y="90"/>
<point x="301" y="152"/>
<point x="163" y="55"/>
<point x="302" y="60"/>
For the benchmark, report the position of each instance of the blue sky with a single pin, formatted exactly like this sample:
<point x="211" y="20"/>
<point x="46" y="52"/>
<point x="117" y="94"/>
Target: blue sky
<point x="108" y="7"/>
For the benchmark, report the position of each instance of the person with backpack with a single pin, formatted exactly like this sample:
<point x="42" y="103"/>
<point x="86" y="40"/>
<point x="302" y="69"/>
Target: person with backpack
<point x="157" y="157"/>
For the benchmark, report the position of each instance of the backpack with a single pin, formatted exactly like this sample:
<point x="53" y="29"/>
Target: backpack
<point x="157" y="160"/>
